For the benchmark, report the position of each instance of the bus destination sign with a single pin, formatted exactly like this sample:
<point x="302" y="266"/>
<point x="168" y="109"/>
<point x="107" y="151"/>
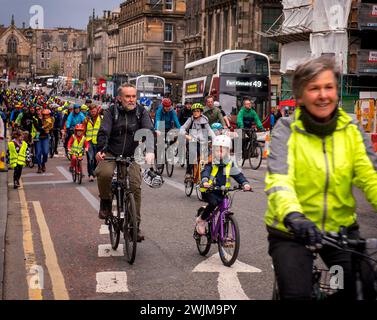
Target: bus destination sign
<point x="253" y="84"/>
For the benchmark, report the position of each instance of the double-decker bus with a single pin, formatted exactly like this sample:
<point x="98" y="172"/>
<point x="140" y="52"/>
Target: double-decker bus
<point x="149" y="87"/>
<point x="231" y="76"/>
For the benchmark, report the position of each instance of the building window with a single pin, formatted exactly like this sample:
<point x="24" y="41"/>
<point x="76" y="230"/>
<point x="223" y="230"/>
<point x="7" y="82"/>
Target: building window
<point x="269" y="16"/>
<point x="47" y="65"/>
<point x="167" y="63"/>
<point x="48" y="45"/>
<point x="42" y="45"/>
<point x="48" y="55"/>
<point x="169" y="4"/>
<point x="12" y="46"/>
<point x="42" y="55"/>
<point x="65" y="46"/>
<point x="42" y="64"/>
<point x="168" y="32"/>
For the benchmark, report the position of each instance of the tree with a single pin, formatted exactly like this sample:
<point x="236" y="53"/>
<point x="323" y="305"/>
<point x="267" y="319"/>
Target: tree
<point x="55" y="68"/>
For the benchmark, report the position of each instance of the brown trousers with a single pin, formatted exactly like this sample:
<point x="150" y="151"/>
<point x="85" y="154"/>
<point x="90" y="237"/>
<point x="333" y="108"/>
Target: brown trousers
<point x="104" y="173"/>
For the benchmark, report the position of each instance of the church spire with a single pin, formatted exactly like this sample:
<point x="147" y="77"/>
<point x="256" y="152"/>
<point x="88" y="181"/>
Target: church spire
<point x="12" y="23"/>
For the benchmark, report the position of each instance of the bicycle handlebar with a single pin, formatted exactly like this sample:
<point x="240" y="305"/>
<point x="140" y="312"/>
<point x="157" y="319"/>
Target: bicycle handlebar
<point x="223" y="188"/>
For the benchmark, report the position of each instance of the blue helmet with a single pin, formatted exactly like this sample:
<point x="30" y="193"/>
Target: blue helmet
<point x="76" y="106"/>
<point x="216" y="126"/>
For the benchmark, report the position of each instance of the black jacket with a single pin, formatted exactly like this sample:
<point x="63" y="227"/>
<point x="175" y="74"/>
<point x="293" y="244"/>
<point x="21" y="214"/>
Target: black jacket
<point x="184" y="115"/>
<point x="114" y="134"/>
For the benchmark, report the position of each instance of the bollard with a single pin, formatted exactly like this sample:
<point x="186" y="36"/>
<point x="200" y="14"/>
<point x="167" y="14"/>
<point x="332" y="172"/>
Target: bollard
<point x="266" y="149"/>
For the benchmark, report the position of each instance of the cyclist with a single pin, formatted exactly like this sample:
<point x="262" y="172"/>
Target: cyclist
<point x="316" y="156"/>
<point x="246" y="118"/>
<point x="218" y="174"/>
<point x="116" y="137"/>
<point x="185" y="112"/>
<point x="74" y="118"/>
<point x="166" y="113"/>
<point x="43" y="123"/>
<point x="93" y="123"/>
<point x="198" y="128"/>
<point x="226" y="120"/>
<point x="213" y="113"/>
<point x="77" y="144"/>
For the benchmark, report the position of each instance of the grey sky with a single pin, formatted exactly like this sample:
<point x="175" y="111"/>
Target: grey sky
<point x="57" y="13"/>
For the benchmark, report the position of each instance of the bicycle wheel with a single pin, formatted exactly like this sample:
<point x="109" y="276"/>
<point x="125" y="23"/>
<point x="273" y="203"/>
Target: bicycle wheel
<point x="189" y="186"/>
<point x="130" y="228"/>
<point x="245" y="153"/>
<point x="79" y="172"/>
<point x="229" y="243"/>
<point x="255" y="157"/>
<point x="203" y="242"/>
<point x="30" y="162"/>
<point x="113" y="224"/>
<point x="159" y="168"/>
<point x="198" y="192"/>
<point x="74" y="176"/>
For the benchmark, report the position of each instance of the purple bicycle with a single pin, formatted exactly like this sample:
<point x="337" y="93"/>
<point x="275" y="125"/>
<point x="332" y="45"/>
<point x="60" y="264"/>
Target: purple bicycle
<point x="222" y="228"/>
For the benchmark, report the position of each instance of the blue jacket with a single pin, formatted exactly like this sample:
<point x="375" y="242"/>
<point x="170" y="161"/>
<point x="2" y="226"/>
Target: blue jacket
<point x="73" y="119"/>
<point x="169" y="118"/>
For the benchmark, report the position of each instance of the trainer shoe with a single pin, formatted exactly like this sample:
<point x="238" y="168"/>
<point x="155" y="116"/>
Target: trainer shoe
<point x="200" y="226"/>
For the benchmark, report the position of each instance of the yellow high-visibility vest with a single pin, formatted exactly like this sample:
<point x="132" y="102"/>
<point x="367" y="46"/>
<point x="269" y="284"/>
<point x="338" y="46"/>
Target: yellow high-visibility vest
<point x="77" y="147"/>
<point x="17" y="158"/>
<point x="214" y="171"/>
<point x="92" y="132"/>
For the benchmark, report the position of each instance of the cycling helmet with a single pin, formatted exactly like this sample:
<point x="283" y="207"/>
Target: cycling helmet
<point x="216" y="104"/>
<point x="152" y="179"/>
<point x="216" y="126"/>
<point x="46" y="112"/>
<point x="79" y="127"/>
<point x="197" y="106"/>
<point x="76" y="106"/>
<point x="222" y="141"/>
<point x="84" y="107"/>
<point x="166" y="102"/>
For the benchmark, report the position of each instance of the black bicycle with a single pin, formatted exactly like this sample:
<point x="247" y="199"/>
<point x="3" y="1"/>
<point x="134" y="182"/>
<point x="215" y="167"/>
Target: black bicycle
<point x="362" y="251"/>
<point x="124" y="209"/>
<point x="252" y="150"/>
<point x="52" y="144"/>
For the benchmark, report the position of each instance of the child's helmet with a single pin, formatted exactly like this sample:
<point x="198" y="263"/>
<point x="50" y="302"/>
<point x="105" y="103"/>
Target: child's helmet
<point x="222" y="141"/>
<point x="216" y="126"/>
<point x="46" y="112"/>
<point x="197" y="106"/>
<point x="79" y="127"/>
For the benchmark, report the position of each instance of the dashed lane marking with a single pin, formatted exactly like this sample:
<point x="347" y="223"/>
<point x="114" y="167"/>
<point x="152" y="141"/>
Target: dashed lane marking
<point x="93" y="201"/>
<point x="57" y="279"/>
<point x="65" y="173"/>
<point x="27" y="240"/>
<point x="105" y="251"/>
<point x="111" y="282"/>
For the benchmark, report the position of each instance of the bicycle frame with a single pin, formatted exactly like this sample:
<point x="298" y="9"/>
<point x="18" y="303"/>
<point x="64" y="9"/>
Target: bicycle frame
<point x="217" y="219"/>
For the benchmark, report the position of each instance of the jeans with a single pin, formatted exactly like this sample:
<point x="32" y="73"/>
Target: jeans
<point x="41" y="151"/>
<point x="91" y="157"/>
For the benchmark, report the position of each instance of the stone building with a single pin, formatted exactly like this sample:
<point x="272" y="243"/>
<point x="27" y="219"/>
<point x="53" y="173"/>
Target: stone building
<point x="16" y="59"/>
<point x="150" y="41"/>
<point x="213" y="26"/>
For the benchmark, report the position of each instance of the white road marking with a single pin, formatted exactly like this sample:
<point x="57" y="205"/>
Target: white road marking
<point x="228" y="284"/>
<point x="104" y="229"/>
<point x="44" y="182"/>
<point x="65" y="173"/>
<point x="105" y="251"/>
<point x="111" y="282"/>
<point x="93" y="201"/>
<point x="32" y="175"/>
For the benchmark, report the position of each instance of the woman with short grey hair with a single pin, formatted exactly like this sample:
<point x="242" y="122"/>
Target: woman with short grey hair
<point x="315" y="158"/>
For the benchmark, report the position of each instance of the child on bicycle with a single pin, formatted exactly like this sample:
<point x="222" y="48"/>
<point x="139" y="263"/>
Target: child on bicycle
<point x="17" y="156"/>
<point x="199" y="129"/>
<point x="77" y="144"/>
<point x="218" y="174"/>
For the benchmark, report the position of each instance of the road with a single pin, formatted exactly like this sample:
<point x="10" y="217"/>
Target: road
<point x="54" y="236"/>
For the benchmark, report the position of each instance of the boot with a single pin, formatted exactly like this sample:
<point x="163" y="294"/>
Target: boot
<point x="140" y="236"/>
<point x="43" y="168"/>
<point x="39" y="169"/>
<point x="105" y="209"/>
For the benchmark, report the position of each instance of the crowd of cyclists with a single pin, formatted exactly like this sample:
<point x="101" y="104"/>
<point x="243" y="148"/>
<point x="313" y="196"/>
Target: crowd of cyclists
<point x="316" y="155"/>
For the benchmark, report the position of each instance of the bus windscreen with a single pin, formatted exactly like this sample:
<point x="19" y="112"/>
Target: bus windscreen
<point x="244" y="63"/>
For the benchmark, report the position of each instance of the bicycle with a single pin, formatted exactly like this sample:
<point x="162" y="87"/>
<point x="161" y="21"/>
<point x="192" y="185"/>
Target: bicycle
<point x="52" y="144"/>
<point x="222" y="228"/>
<point x="196" y="178"/>
<point x="168" y="161"/>
<point x="321" y="277"/>
<point x="30" y="158"/>
<point x="124" y="209"/>
<point x="77" y="169"/>
<point x="252" y="151"/>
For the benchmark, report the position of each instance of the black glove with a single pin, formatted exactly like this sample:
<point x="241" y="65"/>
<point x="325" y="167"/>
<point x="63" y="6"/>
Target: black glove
<point x="303" y="229"/>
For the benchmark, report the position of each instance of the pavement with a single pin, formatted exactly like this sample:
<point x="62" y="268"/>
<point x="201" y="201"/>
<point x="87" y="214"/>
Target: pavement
<point x="3" y="219"/>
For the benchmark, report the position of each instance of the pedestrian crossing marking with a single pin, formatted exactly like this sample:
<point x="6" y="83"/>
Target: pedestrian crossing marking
<point x="111" y="282"/>
<point x="105" y="251"/>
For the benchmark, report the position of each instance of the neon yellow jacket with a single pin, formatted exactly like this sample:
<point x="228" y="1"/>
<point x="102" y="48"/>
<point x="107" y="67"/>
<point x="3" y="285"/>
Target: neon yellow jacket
<point x="314" y="175"/>
<point x="17" y="158"/>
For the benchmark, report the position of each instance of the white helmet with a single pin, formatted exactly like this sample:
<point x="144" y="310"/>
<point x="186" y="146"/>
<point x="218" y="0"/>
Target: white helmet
<point x="222" y="141"/>
<point x="216" y="104"/>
